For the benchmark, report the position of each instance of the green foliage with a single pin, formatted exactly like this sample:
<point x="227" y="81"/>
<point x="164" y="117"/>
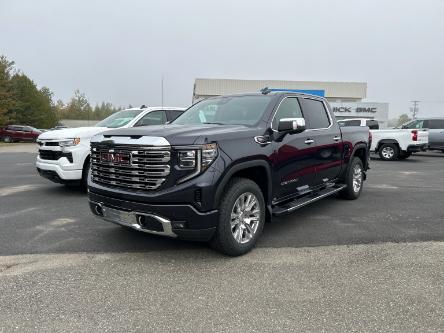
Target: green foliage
<point x="21" y="102"/>
<point x="403" y="119"/>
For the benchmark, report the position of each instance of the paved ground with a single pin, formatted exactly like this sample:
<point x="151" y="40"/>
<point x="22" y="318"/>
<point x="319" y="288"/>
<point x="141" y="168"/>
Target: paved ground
<point x="375" y="264"/>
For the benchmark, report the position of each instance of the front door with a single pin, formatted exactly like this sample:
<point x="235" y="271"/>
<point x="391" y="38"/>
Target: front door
<point x="293" y="159"/>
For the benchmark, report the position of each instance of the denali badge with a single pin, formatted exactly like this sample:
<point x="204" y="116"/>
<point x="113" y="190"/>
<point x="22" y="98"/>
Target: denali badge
<point x="115" y="158"/>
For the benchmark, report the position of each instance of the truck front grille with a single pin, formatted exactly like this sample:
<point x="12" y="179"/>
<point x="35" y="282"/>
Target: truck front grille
<point x="143" y="168"/>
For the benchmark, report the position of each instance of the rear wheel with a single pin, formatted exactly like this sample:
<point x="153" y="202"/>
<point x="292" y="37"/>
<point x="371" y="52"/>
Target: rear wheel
<point x="354" y="180"/>
<point x="389" y="152"/>
<point x="7" y="139"/>
<point x="241" y="218"/>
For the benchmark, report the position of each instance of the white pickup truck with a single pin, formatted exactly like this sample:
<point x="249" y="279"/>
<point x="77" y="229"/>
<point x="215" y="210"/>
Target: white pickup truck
<point x="392" y="143"/>
<point x="64" y="154"/>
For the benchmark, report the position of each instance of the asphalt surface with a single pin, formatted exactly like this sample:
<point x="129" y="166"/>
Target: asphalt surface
<point x="374" y="264"/>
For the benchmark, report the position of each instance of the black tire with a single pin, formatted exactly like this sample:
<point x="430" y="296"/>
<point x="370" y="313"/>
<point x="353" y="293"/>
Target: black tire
<point x="224" y="240"/>
<point x="404" y="154"/>
<point x="389" y="147"/>
<point x="350" y="192"/>
<point x="85" y="175"/>
<point x="8" y="139"/>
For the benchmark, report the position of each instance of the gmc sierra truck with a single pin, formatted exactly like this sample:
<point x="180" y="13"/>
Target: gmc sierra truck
<point x="225" y="166"/>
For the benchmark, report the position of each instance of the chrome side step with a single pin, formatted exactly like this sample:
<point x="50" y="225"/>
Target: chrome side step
<point x="301" y="202"/>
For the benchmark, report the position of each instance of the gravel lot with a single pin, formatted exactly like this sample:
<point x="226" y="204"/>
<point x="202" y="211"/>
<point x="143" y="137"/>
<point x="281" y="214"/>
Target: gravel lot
<point x="375" y="264"/>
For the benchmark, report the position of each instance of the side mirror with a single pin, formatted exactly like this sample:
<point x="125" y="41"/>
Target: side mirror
<point x="291" y="125"/>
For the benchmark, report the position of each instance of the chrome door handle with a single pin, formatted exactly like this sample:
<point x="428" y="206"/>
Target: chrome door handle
<point x="336" y="138"/>
<point x="309" y="141"/>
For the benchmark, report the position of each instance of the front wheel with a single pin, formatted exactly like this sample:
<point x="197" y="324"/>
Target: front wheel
<point x="389" y="152"/>
<point x="241" y="218"/>
<point x="354" y="180"/>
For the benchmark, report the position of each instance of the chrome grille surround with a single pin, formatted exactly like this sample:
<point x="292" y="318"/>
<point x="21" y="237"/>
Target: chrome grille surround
<point x="130" y="166"/>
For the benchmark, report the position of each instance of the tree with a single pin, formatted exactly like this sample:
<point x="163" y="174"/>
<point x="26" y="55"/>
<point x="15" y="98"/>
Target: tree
<point x="6" y="98"/>
<point x="403" y="119"/>
<point x="32" y="106"/>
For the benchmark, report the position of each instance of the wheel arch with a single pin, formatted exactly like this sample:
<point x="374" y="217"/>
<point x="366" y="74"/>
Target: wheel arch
<point x="258" y="171"/>
<point x="383" y="141"/>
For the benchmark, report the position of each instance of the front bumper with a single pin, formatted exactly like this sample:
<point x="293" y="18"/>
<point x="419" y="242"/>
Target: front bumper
<point x="45" y="167"/>
<point x="172" y="220"/>
<point x="417" y="148"/>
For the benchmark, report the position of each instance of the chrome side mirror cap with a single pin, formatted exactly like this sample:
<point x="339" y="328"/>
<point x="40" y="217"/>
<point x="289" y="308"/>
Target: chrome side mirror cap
<point x="291" y="125"/>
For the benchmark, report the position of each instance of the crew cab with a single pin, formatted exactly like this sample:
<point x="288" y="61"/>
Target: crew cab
<point x="15" y="133"/>
<point x="225" y="166"/>
<point x="64" y="153"/>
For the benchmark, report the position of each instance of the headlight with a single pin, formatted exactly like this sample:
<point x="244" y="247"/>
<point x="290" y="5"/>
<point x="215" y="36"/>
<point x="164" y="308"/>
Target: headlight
<point x="187" y="159"/>
<point x="198" y="159"/>
<point x="69" y="142"/>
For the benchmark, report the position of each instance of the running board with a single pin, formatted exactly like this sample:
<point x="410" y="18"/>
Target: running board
<point x="298" y="203"/>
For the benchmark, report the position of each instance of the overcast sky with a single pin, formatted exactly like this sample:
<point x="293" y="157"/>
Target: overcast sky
<point x="117" y="51"/>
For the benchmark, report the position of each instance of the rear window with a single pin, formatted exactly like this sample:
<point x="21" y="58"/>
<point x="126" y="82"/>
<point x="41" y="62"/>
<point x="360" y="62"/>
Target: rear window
<point x="372" y="124"/>
<point x="350" y="123"/>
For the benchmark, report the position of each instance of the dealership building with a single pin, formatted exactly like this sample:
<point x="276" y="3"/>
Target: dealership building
<point x="346" y="98"/>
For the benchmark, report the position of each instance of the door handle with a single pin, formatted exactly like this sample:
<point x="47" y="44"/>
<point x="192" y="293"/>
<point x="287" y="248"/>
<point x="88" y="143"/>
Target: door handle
<point x="309" y="141"/>
<point x="336" y="138"/>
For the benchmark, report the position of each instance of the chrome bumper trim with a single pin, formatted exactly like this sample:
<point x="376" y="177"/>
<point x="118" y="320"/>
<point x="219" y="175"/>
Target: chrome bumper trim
<point x="129" y="219"/>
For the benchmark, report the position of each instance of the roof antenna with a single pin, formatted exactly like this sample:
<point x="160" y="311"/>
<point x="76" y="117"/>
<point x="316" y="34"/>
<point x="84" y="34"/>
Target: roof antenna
<point x="265" y="91"/>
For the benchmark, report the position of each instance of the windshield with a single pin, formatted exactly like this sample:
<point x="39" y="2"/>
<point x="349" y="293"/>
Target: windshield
<point x="119" y="119"/>
<point x="231" y="110"/>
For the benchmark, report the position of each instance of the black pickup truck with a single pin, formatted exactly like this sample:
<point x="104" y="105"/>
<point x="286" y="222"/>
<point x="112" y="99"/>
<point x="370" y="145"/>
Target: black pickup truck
<point x="225" y="166"/>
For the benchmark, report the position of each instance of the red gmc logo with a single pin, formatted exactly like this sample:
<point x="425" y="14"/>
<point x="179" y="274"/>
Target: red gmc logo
<point x="115" y="158"/>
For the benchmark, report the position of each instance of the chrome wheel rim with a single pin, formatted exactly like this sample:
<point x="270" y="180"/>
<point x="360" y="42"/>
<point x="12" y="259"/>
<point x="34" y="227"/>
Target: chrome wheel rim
<point x="388" y="152"/>
<point x="245" y="217"/>
<point x="357" y="178"/>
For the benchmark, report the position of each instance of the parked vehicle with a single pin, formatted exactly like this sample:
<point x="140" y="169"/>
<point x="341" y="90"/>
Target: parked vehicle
<point x="370" y="123"/>
<point x="225" y="166"/>
<point x="436" y="131"/>
<point x="392" y="144"/>
<point x="396" y="143"/>
<point x="64" y="153"/>
<point x="15" y="133"/>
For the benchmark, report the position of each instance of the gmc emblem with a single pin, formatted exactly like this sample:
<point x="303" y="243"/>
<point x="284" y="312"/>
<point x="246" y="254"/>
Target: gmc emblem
<point x="115" y="158"/>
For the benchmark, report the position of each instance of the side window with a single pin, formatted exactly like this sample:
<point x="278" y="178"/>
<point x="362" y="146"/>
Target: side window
<point x="315" y="113"/>
<point x="152" y="118"/>
<point x="415" y="124"/>
<point x="351" y="123"/>
<point x="289" y="108"/>
<point x="173" y="114"/>
<point x="436" y="124"/>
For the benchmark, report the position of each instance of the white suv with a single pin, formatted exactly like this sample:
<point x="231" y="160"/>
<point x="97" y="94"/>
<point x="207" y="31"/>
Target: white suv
<point x="64" y="154"/>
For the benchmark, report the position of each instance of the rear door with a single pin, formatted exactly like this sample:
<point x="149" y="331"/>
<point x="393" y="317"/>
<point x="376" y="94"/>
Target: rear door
<point x="293" y="159"/>
<point x="327" y="140"/>
<point x="436" y="133"/>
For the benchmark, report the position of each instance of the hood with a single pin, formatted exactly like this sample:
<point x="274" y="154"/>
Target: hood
<point x="187" y="134"/>
<point x="70" y="133"/>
